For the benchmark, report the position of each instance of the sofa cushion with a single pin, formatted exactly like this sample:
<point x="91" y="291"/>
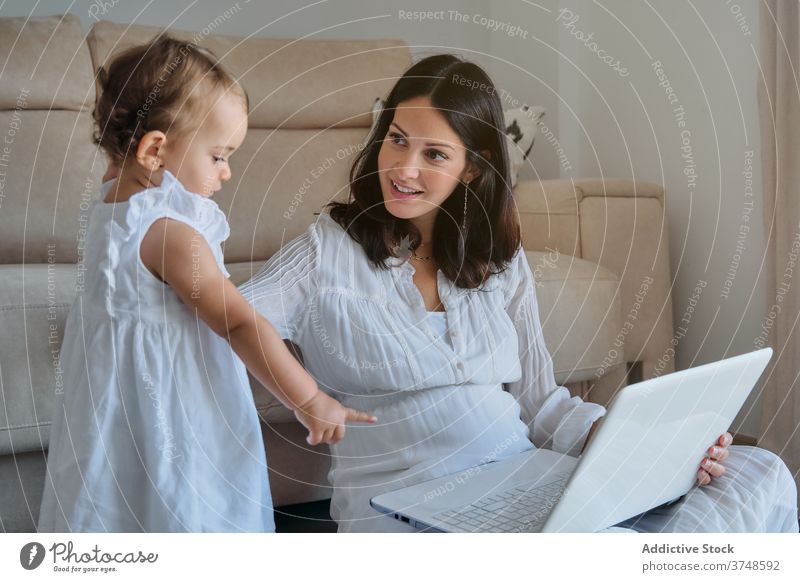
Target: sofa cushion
<point x="242" y="272"/>
<point x="289" y="84"/>
<point x="34" y="302"/>
<point x="280" y="179"/>
<point x="45" y="61"/>
<point x="632" y="239"/>
<point x="52" y="174"/>
<point x="47" y="160"/>
<point x="549" y="216"/>
<point x="580" y="311"/>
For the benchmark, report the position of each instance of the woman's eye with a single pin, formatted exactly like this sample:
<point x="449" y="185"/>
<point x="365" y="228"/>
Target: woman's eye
<point x="397" y="138"/>
<point x="218" y="159"/>
<point x="433" y="153"/>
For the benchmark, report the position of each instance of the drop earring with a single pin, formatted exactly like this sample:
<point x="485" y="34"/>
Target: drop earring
<point x="464" y="220"/>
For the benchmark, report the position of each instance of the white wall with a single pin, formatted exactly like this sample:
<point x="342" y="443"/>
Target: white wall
<point x="626" y="127"/>
<point x="607" y="124"/>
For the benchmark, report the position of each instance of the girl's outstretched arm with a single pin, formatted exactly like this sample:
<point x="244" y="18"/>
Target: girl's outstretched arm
<point x="180" y="256"/>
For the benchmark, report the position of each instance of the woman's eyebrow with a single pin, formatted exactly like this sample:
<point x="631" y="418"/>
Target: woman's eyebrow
<point x="225" y="148"/>
<point x="430" y="144"/>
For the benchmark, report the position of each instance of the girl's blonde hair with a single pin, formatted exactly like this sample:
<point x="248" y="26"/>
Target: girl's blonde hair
<point x="163" y="85"/>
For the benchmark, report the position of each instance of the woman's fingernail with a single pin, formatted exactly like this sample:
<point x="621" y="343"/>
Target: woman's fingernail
<point x="707" y="463"/>
<point x="715" y="451"/>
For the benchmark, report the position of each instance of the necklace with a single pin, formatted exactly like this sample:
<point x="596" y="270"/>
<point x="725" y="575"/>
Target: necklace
<point x="415" y="256"/>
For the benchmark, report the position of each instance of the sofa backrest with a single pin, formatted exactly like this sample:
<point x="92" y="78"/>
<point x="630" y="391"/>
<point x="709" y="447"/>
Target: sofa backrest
<point x="311" y="103"/>
<point x="48" y="165"/>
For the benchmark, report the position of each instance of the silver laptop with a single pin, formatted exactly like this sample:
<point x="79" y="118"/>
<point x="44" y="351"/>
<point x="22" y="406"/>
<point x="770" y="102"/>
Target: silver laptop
<point x="646" y="452"/>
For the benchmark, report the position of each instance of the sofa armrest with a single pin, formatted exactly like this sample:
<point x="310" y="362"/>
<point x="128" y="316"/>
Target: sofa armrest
<point x="619" y="188"/>
<point x="620" y="225"/>
<point x="549" y="215"/>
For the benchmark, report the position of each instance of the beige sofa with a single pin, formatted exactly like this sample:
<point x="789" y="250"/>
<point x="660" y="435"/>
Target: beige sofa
<point x="592" y="244"/>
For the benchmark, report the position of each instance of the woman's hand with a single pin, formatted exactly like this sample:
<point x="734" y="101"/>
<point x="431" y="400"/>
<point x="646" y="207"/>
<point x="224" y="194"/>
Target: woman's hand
<point x="325" y="419"/>
<point x="711" y="466"/>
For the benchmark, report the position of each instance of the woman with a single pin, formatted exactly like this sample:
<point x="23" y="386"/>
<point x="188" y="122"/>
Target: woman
<point x="414" y="301"/>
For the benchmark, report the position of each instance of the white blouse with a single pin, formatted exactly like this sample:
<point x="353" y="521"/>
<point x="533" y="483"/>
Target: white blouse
<point x="438" y="322"/>
<point x="448" y="395"/>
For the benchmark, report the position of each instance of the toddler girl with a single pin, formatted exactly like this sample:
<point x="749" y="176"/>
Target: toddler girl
<point x="156" y="429"/>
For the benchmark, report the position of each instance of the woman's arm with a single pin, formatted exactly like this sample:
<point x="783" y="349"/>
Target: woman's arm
<point x="283" y="289"/>
<point x="555" y="419"/>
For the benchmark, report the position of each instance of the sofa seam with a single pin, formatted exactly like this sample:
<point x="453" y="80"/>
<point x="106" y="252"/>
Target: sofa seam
<point x="23" y="306"/>
<point x="23" y="426"/>
<point x="586" y="369"/>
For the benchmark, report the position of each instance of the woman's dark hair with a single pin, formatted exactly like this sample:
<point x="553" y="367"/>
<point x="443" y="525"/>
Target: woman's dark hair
<point x="464" y="94"/>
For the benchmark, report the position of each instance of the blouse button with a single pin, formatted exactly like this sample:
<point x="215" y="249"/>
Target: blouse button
<point x="460" y="365"/>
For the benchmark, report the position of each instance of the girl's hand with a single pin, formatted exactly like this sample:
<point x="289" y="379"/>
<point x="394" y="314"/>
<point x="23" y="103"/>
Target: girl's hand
<point x="711" y="466"/>
<point x="325" y="419"/>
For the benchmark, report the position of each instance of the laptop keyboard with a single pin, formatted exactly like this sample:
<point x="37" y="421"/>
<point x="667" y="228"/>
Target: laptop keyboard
<point x="514" y="510"/>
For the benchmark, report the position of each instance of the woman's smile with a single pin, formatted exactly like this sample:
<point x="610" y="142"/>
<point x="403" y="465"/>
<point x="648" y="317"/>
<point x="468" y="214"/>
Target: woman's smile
<point x="403" y="192"/>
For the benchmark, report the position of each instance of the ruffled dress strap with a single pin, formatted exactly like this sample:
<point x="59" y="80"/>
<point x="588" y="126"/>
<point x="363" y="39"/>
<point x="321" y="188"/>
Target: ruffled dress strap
<point x="171" y="200"/>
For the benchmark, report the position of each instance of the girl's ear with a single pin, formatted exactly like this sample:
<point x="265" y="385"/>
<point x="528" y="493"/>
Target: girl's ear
<point x="150" y="151"/>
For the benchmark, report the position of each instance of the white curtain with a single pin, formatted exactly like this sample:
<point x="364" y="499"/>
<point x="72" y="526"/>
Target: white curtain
<point x="779" y="108"/>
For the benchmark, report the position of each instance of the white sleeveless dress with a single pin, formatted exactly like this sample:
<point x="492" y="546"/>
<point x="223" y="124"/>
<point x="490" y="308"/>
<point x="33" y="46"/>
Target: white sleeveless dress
<point x="156" y="429"/>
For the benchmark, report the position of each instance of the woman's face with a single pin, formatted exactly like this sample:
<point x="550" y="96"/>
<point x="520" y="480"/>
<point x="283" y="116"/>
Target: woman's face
<point x="421" y="161"/>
